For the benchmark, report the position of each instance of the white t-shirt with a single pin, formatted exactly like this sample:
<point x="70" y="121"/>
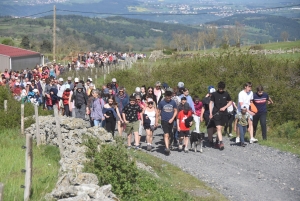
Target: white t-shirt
<point x="245" y="99"/>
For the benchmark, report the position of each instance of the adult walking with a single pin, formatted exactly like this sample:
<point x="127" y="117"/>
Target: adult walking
<point x="148" y="121"/>
<point x="245" y="98"/>
<point x="260" y="100"/>
<point x="219" y="102"/>
<point x="111" y="114"/>
<point x="122" y="100"/>
<point x="80" y="102"/>
<point x="96" y="108"/>
<point x="167" y="109"/>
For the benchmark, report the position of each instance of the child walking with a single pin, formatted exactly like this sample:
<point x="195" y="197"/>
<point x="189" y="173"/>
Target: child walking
<point x="241" y="120"/>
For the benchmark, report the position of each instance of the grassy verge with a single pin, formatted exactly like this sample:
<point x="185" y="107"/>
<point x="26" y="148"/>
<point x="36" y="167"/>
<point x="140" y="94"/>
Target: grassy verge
<point x="116" y="165"/>
<point x="45" y="167"/>
<point x="176" y="180"/>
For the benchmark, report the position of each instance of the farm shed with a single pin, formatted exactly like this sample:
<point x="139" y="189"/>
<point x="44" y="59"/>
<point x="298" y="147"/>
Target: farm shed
<point x="15" y="58"/>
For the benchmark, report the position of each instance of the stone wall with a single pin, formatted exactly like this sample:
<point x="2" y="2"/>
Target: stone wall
<point x="73" y="184"/>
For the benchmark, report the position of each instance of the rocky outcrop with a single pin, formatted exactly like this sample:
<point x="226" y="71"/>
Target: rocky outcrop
<point x="73" y="184"/>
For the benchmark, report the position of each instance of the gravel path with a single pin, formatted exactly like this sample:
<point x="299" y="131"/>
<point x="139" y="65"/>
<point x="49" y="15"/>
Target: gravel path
<point x="251" y="173"/>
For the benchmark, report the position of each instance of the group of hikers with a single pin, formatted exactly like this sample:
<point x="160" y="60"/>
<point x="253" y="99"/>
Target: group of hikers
<point x="172" y="109"/>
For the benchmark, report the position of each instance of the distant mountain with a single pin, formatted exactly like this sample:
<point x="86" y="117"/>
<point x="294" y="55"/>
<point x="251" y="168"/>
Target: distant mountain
<point x="262" y="25"/>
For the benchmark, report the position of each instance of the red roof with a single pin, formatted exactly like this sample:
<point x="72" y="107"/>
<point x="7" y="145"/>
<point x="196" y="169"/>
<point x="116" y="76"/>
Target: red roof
<point x="15" y="51"/>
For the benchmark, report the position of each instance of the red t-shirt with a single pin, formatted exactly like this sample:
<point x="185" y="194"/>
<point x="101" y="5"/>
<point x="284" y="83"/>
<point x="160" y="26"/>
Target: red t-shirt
<point x="182" y="117"/>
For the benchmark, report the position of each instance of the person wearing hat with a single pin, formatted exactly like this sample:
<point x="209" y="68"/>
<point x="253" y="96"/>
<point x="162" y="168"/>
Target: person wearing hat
<point x="209" y="123"/>
<point x="180" y="87"/>
<point x="241" y="121"/>
<point x="17" y="91"/>
<point x="114" y="85"/>
<point x="122" y="100"/>
<point x="80" y="102"/>
<point x="137" y="91"/>
<point x="158" y="92"/>
<point x="219" y="102"/>
<point x="61" y="88"/>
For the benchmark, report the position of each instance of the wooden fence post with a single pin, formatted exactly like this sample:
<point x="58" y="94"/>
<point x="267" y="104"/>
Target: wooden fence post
<point x="37" y="125"/>
<point x="1" y="191"/>
<point x="5" y="105"/>
<point x="58" y="130"/>
<point x="28" y="167"/>
<point x="22" y="118"/>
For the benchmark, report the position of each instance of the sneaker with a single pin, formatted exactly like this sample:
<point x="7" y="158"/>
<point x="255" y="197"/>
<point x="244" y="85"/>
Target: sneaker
<point x="254" y="140"/>
<point x="137" y="148"/>
<point x="186" y="150"/>
<point x="149" y="147"/>
<point x="221" y="146"/>
<point x="211" y="144"/>
<point x="167" y="151"/>
<point x="217" y="146"/>
<point x="243" y="144"/>
<point x="230" y="135"/>
<point x="180" y="147"/>
<point x="237" y="140"/>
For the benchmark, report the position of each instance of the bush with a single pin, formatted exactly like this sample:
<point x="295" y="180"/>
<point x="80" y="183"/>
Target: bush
<point x="256" y="47"/>
<point x="289" y="130"/>
<point x="113" y="165"/>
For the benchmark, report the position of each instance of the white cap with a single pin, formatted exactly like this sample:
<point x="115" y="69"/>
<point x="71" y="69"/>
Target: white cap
<point x="76" y="79"/>
<point x="149" y="100"/>
<point x="212" y="90"/>
<point x="35" y="90"/>
<point x="244" y="106"/>
<point x="114" y="80"/>
<point x="138" y="89"/>
<point x="180" y="84"/>
<point x="28" y="83"/>
<point x="17" y="83"/>
<point x="61" y="79"/>
<point x="90" y="79"/>
<point x="68" y="86"/>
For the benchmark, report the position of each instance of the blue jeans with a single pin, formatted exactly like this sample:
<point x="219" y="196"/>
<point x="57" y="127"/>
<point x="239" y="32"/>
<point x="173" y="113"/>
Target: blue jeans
<point x="98" y="123"/>
<point x="243" y="130"/>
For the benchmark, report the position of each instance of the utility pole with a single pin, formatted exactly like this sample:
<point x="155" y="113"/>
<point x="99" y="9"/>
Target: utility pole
<point x="54" y="32"/>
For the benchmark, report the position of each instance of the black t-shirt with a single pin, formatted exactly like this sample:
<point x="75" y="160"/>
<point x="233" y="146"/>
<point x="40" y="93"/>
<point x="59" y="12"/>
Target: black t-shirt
<point x="205" y="103"/>
<point x="220" y="100"/>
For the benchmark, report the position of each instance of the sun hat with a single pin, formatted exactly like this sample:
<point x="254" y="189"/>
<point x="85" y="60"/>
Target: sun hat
<point x="79" y="86"/>
<point x="180" y="84"/>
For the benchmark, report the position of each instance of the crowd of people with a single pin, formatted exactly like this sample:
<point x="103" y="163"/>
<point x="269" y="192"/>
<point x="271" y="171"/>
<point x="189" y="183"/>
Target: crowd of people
<point x="147" y="108"/>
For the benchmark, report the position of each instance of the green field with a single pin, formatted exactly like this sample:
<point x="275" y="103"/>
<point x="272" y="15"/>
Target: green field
<point x="44" y="172"/>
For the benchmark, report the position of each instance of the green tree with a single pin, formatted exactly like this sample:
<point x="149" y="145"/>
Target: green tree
<point x="8" y="41"/>
<point x="25" y="43"/>
<point x="46" y="46"/>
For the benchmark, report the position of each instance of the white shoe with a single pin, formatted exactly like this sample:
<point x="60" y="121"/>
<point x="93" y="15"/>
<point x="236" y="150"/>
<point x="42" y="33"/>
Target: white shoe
<point x="237" y="140"/>
<point x="230" y="135"/>
<point x="253" y="140"/>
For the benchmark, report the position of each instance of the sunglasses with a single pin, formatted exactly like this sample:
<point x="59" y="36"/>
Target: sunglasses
<point x="121" y="91"/>
<point x="150" y="103"/>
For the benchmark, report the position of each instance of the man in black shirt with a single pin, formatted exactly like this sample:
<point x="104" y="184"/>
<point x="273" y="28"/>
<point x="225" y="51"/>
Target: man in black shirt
<point x="210" y="124"/>
<point x="219" y="102"/>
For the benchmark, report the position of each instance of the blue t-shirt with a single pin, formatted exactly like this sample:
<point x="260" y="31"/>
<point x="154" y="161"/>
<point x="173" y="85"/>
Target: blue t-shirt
<point x="261" y="102"/>
<point x="167" y="109"/>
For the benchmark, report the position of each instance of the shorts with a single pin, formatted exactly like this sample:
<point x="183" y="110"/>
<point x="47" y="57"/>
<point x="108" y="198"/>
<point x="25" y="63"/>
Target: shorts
<point x="209" y="123"/>
<point x="132" y="127"/>
<point x="220" y="118"/>
<point x="167" y="127"/>
<point x="151" y="128"/>
<point x="184" y="134"/>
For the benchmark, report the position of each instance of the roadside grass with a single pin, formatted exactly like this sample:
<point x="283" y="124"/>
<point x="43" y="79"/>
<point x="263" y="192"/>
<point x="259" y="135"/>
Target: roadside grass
<point x="177" y="180"/>
<point x="44" y="172"/>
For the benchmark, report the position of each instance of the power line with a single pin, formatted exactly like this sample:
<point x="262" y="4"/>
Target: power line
<point x="174" y="14"/>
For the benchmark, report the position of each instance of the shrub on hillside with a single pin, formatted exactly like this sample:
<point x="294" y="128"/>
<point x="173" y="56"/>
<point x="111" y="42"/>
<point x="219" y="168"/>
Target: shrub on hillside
<point x="289" y="130"/>
<point x="256" y="47"/>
